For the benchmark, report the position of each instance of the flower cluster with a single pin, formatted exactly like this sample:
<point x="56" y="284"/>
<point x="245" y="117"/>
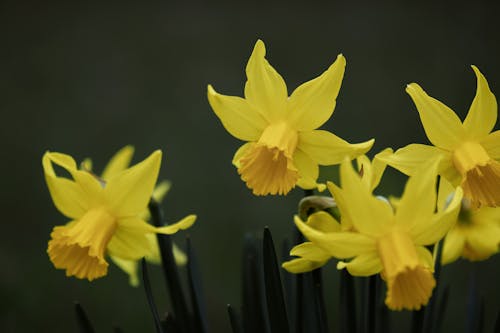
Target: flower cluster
<point x="452" y="194"/>
<point x="373" y="235"/>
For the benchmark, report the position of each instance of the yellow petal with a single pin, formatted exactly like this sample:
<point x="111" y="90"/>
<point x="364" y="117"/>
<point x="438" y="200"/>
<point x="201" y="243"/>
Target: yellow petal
<point x="309" y="251"/>
<point x="418" y="201"/>
<point x="341" y="205"/>
<point x="326" y="148"/>
<point x="308" y="170"/>
<point x="161" y="190"/>
<point x="265" y="88"/>
<point x="368" y="214"/>
<point x="445" y="193"/>
<point x="453" y="246"/>
<point x="378" y="167"/>
<point x="430" y="231"/>
<point x="482" y="115"/>
<point x="129" y="192"/>
<point x="89" y="184"/>
<point x="491" y="144"/>
<point x="410" y="158"/>
<point x="131" y="240"/>
<point x="119" y="162"/>
<point x="482" y="241"/>
<point x="179" y="255"/>
<point x="322" y="221"/>
<point x="363" y="265"/>
<point x="337" y="244"/>
<point x="67" y="196"/>
<point x="365" y="170"/>
<point x="442" y="126"/>
<point x="238" y="116"/>
<point x="183" y="224"/>
<point x="86" y="165"/>
<point x="130" y="267"/>
<point x="313" y="102"/>
<point x="425" y="256"/>
<point x="241" y="152"/>
<point x="300" y="265"/>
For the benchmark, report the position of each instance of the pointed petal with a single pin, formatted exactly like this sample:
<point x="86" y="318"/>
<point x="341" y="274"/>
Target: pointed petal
<point x="425" y="257"/>
<point x="309" y="251"/>
<point x="265" y="89"/>
<point x="418" y="201"/>
<point x="129" y="192"/>
<point x="445" y="193"/>
<point x="378" y="167"/>
<point x="308" y="170"/>
<point x="369" y="215"/>
<point x="119" y="162"/>
<point x="337" y="244"/>
<point x="346" y="223"/>
<point x="442" y="126"/>
<point x="238" y="116"/>
<point x="410" y="158"/>
<point x="313" y="102"/>
<point x="130" y="267"/>
<point x="161" y="190"/>
<point x="363" y="265"/>
<point x="491" y="144"/>
<point x="241" y="152"/>
<point x="300" y="265"/>
<point x="482" y="115"/>
<point x="326" y="148"/>
<point x="430" y="232"/>
<point x="322" y="221"/>
<point x="67" y="196"/>
<point x="365" y="170"/>
<point x="453" y="246"/>
<point x="183" y="224"/>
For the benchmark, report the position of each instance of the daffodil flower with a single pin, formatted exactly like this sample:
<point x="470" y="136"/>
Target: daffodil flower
<point x="388" y="241"/>
<point x="284" y="147"/>
<point x="105" y="215"/>
<point x="309" y="255"/>
<point x="470" y="151"/>
<point x="118" y="163"/>
<point x="475" y="236"/>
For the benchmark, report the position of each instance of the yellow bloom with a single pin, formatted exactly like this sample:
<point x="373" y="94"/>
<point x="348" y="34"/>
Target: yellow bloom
<point x="311" y="256"/>
<point x="105" y="215"/>
<point x="118" y="163"/>
<point x="284" y="148"/>
<point x="470" y="151"/>
<point x="388" y="241"/>
<point x="475" y="236"/>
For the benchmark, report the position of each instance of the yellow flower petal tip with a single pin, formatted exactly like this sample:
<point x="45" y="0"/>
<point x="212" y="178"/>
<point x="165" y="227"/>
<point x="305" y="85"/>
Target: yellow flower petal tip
<point x="283" y="148"/>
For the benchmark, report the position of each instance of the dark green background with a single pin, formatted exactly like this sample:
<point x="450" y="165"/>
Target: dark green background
<point x="87" y="80"/>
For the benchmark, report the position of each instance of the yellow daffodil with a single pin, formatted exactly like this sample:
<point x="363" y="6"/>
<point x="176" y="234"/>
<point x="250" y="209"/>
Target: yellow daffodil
<point x="284" y="148"/>
<point x="387" y="241"/>
<point x="311" y="256"/>
<point x="118" y="163"/>
<point x="470" y="151"/>
<point x="475" y="236"/>
<point x="105" y="215"/>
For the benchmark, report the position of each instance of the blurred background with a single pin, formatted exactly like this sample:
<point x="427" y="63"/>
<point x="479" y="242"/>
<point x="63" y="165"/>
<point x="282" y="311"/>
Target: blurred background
<point x="88" y="79"/>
